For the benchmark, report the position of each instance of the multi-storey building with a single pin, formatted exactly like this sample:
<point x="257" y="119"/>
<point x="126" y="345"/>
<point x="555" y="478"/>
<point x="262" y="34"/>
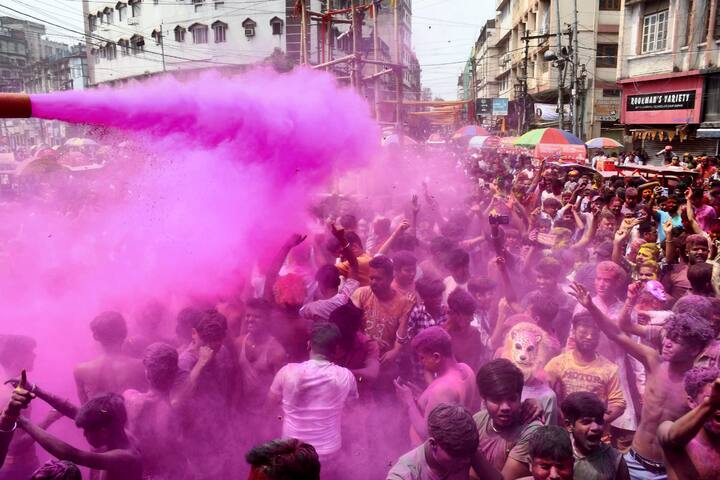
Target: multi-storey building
<point x="510" y="61"/>
<point x="65" y="70"/>
<point x="135" y="38"/>
<point x="668" y="74"/>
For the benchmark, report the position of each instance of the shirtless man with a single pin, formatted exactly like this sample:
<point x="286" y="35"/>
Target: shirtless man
<point x="17" y="352"/>
<point x="686" y="337"/>
<point x="113" y="371"/>
<point x="453" y="383"/>
<point x="692" y="443"/>
<point x="103" y="422"/>
<point x="153" y="417"/>
<point x="260" y="357"/>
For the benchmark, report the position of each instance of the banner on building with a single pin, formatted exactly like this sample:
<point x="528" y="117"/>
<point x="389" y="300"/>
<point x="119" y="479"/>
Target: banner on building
<point x="491" y="106"/>
<point x="661" y="101"/>
<point x="500" y="106"/>
<point x="549" y="112"/>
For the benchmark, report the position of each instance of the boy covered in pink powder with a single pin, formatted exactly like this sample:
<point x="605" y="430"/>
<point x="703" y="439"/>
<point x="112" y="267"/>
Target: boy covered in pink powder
<point x="112" y="371"/>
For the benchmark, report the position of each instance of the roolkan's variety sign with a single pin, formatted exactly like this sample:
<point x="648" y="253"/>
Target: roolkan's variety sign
<point x="661" y="101"/>
<point x="668" y="99"/>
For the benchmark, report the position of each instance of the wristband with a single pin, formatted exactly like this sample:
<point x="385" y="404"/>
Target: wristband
<point x="11" y="430"/>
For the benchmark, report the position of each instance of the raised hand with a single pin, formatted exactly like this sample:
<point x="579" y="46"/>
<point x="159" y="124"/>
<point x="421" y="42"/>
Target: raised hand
<point x="205" y="355"/>
<point x="338" y="233"/>
<point x="581" y="294"/>
<point x="403" y="392"/>
<point x="633" y="291"/>
<point x="295" y="240"/>
<point x="715" y="394"/>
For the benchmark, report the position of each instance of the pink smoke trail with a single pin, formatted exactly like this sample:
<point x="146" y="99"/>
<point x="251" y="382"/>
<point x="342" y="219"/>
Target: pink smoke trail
<point x="233" y="163"/>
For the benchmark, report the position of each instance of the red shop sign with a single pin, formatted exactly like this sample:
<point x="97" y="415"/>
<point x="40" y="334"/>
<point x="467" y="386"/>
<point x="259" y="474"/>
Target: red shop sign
<point x="662" y="99"/>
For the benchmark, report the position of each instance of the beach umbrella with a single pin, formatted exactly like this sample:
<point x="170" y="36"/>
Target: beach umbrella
<point x="603" y="143"/>
<point x="394" y="139"/>
<point x="552" y="136"/>
<point x="435" y="139"/>
<point x="482" y="141"/>
<point x="80" y="142"/>
<point x="470" y="131"/>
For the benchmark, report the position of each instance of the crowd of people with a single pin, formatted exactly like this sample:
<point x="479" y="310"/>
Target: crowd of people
<point x="538" y="323"/>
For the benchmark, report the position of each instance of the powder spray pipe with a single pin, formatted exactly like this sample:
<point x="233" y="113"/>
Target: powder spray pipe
<point x="15" y="105"/>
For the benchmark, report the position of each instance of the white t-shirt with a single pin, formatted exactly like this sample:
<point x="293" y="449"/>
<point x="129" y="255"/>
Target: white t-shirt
<point x="313" y="396"/>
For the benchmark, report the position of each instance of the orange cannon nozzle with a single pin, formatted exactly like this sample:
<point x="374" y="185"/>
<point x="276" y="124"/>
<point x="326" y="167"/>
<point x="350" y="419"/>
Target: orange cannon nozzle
<point x="15" y="105"/>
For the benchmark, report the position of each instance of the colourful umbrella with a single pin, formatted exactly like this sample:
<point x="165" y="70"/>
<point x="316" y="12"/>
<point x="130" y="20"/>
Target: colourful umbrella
<point x="470" y="131"/>
<point x="80" y="142"/>
<point x="394" y="139"/>
<point x="552" y="136"/>
<point x="484" y="142"/>
<point x="435" y="139"/>
<point x="603" y="142"/>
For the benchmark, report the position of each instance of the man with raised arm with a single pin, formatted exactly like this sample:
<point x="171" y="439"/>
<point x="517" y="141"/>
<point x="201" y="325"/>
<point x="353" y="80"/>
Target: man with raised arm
<point x="692" y="443"/>
<point x="103" y="422"/>
<point x="686" y="336"/>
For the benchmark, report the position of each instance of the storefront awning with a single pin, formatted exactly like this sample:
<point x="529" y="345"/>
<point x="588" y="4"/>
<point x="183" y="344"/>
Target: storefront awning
<point x="708" y="133"/>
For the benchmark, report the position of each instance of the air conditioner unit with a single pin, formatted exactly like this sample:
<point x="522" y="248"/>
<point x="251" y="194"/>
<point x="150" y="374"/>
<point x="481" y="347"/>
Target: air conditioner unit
<point x="133" y="21"/>
<point x="249" y="32"/>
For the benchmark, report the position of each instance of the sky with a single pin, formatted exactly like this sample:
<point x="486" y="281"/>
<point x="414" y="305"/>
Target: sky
<point x="444" y="31"/>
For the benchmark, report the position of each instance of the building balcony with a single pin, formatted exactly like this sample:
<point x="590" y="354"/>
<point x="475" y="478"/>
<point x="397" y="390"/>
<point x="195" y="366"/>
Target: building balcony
<point x="648" y="64"/>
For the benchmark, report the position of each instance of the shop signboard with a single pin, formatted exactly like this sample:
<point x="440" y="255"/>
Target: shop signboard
<point x="662" y="99"/>
<point x="500" y="106"/>
<point x="484" y="106"/>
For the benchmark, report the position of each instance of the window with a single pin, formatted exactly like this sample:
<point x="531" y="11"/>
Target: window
<point x="94" y="54"/>
<point x="277" y="26"/>
<point x="654" y="32"/>
<point x="199" y="33"/>
<point x="124" y="47"/>
<point x="198" y="4"/>
<point x="609" y="4"/>
<point x="157" y="36"/>
<point x="220" y="29"/>
<point x="122" y="11"/>
<point x="611" y="92"/>
<point x="108" y="13"/>
<point x="505" y="82"/>
<point x="219" y="5"/>
<point x="110" y="51"/>
<point x="607" y="55"/>
<point x="179" y="34"/>
<point x="92" y="25"/>
<point x="135" y="7"/>
<point x="138" y="44"/>
<point x="249" y="26"/>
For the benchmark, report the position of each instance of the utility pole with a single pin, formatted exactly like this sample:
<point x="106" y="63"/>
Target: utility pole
<point x="524" y="85"/>
<point x="473" y="64"/>
<point x="330" y="36"/>
<point x="577" y="119"/>
<point x="376" y="47"/>
<point x="303" y="33"/>
<point x="162" y="46"/>
<point x="560" y="70"/>
<point x="398" y="73"/>
<point x="354" y="70"/>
